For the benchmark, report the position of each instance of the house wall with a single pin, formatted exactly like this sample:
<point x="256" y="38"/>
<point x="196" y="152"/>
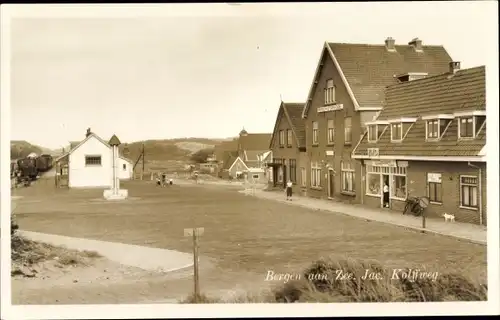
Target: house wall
<point x="258" y="177"/>
<point x="286" y="152"/>
<point x="238" y="166"/>
<point x="90" y="176"/>
<point x="342" y="151"/>
<point x="125" y="171"/>
<point x="450" y="177"/>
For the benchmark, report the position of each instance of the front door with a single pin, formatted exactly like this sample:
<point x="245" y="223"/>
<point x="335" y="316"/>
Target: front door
<point x="331" y="184"/>
<point x="385" y="200"/>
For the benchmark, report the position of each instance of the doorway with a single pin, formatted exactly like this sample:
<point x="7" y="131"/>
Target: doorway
<point x="331" y="183"/>
<point x="385" y="191"/>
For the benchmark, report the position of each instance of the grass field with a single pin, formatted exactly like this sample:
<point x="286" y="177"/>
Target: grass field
<point x="242" y="233"/>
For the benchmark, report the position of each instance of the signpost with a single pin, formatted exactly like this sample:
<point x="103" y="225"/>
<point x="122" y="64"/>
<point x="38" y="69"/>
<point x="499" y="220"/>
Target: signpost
<point x="195" y="233"/>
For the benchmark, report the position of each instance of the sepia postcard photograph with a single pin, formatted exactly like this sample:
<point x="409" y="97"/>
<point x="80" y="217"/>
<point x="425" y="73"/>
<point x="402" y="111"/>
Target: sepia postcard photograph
<point x="249" y="160"/>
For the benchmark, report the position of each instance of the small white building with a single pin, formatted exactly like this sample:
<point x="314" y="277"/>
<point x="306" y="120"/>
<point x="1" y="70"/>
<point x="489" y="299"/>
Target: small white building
<point x="89" y="164"/>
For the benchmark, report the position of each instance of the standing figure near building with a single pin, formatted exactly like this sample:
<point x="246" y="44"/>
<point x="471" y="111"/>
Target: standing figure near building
<point x="288" y="189"/>
<point x="386" y="195"/>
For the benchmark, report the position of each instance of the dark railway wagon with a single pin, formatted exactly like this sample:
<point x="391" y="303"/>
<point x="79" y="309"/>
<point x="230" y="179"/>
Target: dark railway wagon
<point x="44" y="162"/>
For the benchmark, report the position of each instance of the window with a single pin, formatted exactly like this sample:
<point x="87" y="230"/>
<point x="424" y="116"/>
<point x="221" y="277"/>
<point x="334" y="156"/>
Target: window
<point x="434" y="187"/>
<point x="468" y="191"/>
<point x="289" y="138"/>
<point x="347" y="175"/>
<point x="124" y="167"/>
<point x="315" y="132"/>
<point x="293" y="170"/>
<point x="373" y="181"/>
<point x="92" y="160"/>
<point x="315" y="175"/>
<point x="347" y="130"/>
<point x="329" y="92"/>
<point x="396" y="132"/>
<point x="398" y="186"/>
<point x="466" y="127"/>
<point x="433" y="129"/>
<point x="331" y="131"/>
<point x="255" y="176"/>
<point x="372" y="133"/>
<point x="282" y="138"/>
<point x="303" y="176"/>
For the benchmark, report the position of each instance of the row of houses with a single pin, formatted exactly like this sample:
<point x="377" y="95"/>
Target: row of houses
<point x="245" y="157"/>
<point x="405" y="116"/>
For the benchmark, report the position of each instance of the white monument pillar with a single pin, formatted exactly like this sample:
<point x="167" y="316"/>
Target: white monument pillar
<point x="115" y="193"/>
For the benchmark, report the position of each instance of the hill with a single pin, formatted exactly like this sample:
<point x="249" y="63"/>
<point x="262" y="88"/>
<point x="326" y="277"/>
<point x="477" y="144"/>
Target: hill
<point x="178" y="150"/>
<point x="22" y="148"/>
<point x="168" y="149"/>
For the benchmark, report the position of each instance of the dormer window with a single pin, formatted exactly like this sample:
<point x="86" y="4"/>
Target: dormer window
<point x="400" y="127"/>
<point x="396" y="131"/>
<point x="329" y="92"/>
<point x="411" y="76"/>
<point x="375" y="130"/>
<point x="466" y="125"/>
<point x="372" y="133"/>
<point x="470" y="123"/>
<point x="435" y="126"/>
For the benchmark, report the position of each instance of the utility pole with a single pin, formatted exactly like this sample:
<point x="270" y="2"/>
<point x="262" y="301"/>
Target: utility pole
<point x="143" y="155"/>
<point x="195" y="233"/>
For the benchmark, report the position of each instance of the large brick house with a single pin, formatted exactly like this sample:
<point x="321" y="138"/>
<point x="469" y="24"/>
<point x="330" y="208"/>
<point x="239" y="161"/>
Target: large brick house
<point x="429" y="140"/>
<point x="288" y="147"/>
<point x="347" y="91"/>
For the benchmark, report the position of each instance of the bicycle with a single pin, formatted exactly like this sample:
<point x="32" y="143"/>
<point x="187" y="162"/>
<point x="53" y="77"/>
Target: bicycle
<point x="416" y="205"/>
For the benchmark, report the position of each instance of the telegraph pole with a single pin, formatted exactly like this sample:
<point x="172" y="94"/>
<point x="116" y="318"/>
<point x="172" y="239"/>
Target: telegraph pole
<point x="195" y="233"/>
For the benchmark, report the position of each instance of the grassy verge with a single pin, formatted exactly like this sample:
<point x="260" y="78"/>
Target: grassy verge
<point x="27" y="255"/>
<point x="341" y="280"/>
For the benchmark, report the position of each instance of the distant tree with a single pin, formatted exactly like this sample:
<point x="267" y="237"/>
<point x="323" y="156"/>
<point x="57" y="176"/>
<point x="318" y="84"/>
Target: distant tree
<point x="201" y="156"/>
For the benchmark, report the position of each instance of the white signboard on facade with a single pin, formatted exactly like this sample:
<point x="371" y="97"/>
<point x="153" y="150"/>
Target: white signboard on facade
<point x="384" y="163"/>
<point x="333" y="107"/>
<point x="434" y="177"/>
<point x="330" y="152"/>
<point x="403" y="164"/>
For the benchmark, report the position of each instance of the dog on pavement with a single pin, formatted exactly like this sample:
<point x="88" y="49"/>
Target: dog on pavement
<point x="449" y="217"/>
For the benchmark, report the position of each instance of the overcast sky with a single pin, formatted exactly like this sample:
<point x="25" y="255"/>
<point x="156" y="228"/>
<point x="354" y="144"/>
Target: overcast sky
<point x="204" y="75"/>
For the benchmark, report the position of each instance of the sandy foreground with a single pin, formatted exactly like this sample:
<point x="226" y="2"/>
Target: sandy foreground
<point x="77" y="277"/>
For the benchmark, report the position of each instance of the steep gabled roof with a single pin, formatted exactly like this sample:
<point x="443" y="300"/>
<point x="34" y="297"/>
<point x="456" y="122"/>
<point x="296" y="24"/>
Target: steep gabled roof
<point x="366" y="69"/>
<point x="443" y="94"/>
<point x="292" y="113"/>
<point x="255" y="141"/>
<point x="76" y="144"/>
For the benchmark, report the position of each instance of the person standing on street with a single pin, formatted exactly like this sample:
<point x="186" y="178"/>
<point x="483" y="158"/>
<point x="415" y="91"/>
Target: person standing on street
<point x="386" y="195"/>
<point x="289" y="185"/>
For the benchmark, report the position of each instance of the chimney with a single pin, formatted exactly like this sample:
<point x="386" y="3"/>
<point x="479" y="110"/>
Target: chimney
<point x="88" y="133"/>
<point x="416" y="43"/>
<point x="454" y="66"/>
<point x="389" y="44"/>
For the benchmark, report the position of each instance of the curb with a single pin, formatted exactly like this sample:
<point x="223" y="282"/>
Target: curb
<point x="412" y="228"/>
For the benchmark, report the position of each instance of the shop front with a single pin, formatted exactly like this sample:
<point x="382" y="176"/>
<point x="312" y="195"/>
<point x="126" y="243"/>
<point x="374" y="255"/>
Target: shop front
<point x="386" y="183"/>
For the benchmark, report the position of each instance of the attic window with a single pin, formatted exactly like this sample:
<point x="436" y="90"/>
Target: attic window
<point x="400" y="127"/>
<point x="397" y="131"/>
<point x="329" y="92"/>
<point x="435" y="128"/>
<point x="469" y="126"/>
<point x="411" y="76"/>
<point x="375" y="131"/>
